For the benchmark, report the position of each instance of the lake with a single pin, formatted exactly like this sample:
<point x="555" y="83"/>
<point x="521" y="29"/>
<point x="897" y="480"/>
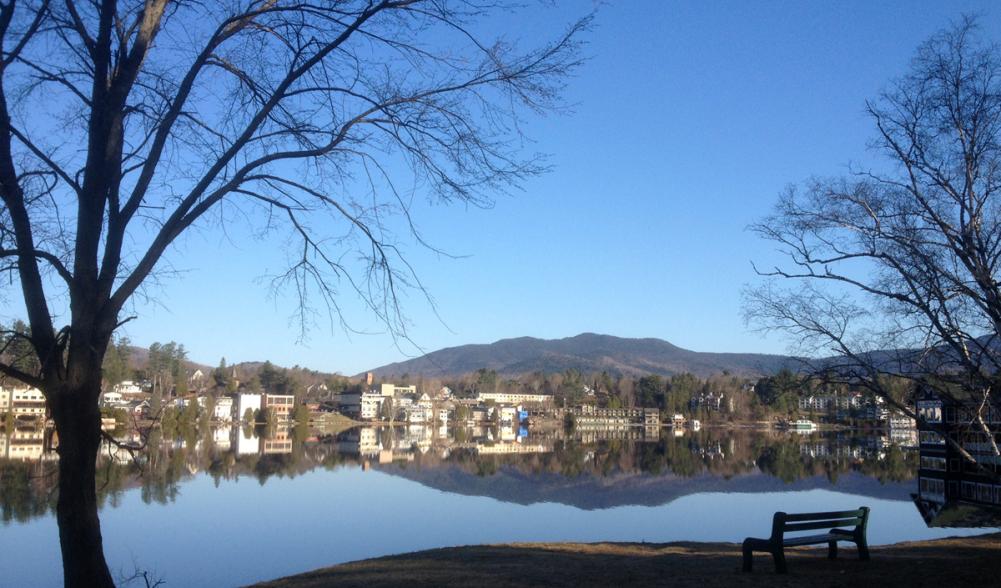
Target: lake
<point x="229" y="506"/>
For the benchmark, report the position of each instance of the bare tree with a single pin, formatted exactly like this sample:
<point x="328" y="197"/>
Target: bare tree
<point x="125" y="124"/>
<point x="893" y="269"/>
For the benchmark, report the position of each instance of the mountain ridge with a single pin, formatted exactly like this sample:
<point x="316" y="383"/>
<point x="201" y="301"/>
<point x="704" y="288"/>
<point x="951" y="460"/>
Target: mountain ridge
<point x="587" y="352"/>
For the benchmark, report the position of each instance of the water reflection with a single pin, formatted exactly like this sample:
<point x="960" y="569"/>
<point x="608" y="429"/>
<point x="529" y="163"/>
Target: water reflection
<point x="404" y="488"/>
<point x="159" y="464"/>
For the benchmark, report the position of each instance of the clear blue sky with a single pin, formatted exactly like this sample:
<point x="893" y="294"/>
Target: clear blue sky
<point x="688" y="120"/>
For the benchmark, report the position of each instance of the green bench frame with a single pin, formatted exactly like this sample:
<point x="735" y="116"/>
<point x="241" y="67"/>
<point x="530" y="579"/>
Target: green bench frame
<point x="837" y="522"/>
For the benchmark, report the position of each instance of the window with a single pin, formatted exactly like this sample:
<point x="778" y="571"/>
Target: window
<point x="930" y="412"/>
<point x="930" y="438"/>
<point x="931" y="486"/>
<point x="933" y="463"/>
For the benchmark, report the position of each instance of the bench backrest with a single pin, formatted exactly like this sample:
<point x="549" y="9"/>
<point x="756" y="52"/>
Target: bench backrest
<point x="789" y="523"/>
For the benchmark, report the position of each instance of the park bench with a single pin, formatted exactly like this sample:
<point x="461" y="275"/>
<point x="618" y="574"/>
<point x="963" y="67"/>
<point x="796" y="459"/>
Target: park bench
<point x="848" y="525"/>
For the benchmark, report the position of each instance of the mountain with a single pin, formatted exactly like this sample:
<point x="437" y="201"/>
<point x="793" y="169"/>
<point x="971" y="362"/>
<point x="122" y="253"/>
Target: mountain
<point x="589" y="492"/>
<point x="587" y="352"/>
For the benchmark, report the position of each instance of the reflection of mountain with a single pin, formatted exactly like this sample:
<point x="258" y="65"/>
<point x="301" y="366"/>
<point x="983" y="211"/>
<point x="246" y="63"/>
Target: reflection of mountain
<point x="590" y="492"/>
<point x="587" y="352"/>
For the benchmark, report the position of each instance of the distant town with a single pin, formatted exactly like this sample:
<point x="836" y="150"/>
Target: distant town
<point x="162" y="389"/>
<point x="261" y="410"/>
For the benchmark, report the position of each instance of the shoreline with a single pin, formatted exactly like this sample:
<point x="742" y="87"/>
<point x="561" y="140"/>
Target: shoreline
<point x="936" y="562"/>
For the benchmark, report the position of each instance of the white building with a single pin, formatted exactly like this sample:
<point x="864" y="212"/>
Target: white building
<point x="112" y="398"/>
<point x="128" y="387"/>
<point x="23" y="402"/>
<point x="223" y="409"/>
<point x="366" y="406"/>
<point x="247" y="401"/>
<point x="514" y="398"/>
<point x="508" y="415"/>
<point x="393" y="390"/>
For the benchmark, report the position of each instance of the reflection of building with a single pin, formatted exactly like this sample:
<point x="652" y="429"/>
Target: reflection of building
<point x="221" y="437"/>
<point x="949" y="484"/>
<point x="363" y="441"/>
<point x="245" y="442"/>
<point x="278" y="443"/>
<point x="512" y="448"/>
<point x="25" y="444"/>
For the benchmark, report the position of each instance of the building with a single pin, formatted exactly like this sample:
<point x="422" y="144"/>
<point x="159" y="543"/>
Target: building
<point x="394" y="390"/>
<point x="831" y="402"/>
<point x="223" y="410"/>
<point x="112" y="398"/>
<point x="129" y="390"/>
<point x="364" y="406"/>
<point x="945" y="478"/>
<point x="24" y="403"/>
<point x="139" y="409"/>
<point x="591" y="417"/>
<point x="245" y="402"/>
<point x="280" y="405"/>
<point x="514" y="398"/>
<point x="707" y="400"/>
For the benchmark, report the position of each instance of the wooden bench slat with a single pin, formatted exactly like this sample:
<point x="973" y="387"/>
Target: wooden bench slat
<point x="812" y="516"/>
<point x="790" y="528"/>
<point x="812" y="540"/>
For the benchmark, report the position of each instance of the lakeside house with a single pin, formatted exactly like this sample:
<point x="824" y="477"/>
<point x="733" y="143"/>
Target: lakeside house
<point x="25" y="403"/>
<point x="279" y="404"/>
<point x="946" y="478"/>
<point x="514" y="398"/>
<point x="223" y="410"/>
<point x="247" y="401"/>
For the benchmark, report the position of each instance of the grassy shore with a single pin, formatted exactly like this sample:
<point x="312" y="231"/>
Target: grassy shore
<point x="974" y="561"/>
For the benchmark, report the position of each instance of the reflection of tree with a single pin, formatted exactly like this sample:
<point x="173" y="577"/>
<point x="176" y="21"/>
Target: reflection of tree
<point x="25" y="491"/>
<point x="783" y="461"/>
<point x="28" y="490"/>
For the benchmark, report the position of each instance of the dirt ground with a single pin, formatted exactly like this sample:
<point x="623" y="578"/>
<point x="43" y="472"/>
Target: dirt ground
<point x="943" y="563"/>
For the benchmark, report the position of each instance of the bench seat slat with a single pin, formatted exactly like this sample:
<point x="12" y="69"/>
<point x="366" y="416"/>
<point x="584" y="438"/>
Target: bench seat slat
<point x="812" y="516"/>
<point x="793" y="527"/>
<point x="812" y="539"/>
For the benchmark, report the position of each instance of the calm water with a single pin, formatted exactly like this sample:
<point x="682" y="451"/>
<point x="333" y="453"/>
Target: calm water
<point x="225" y="507"/>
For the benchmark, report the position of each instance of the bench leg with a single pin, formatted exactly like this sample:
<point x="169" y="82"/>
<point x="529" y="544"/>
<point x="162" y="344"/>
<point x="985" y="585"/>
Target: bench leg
<point x="748" y="558"/>
<point x="863" y="549"/>
<point x="780" y="561"/>
<point x="832" y="550"/>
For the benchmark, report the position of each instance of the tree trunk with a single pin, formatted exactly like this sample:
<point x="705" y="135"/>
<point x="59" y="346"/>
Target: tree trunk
<point x="78" y="424"/>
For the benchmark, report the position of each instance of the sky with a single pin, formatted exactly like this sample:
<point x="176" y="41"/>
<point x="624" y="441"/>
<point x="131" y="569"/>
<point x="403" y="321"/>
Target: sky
<point x="687" y="121"/>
